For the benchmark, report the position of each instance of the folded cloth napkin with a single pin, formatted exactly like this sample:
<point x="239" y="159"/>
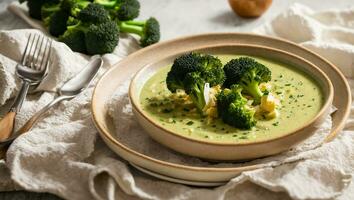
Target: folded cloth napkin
<point x="63" y="155"/>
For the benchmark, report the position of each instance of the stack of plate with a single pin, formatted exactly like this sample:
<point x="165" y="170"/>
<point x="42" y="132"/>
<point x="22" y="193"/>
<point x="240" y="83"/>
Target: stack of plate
<point x="165" y="52"/>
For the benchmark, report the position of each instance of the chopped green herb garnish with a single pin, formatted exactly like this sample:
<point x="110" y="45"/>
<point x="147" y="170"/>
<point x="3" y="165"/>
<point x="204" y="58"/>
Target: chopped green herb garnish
<point x="167" y="110"/>
<point x="190" y="123"/>
<point x="275" y="124"/>
<point x="153" y="104"/>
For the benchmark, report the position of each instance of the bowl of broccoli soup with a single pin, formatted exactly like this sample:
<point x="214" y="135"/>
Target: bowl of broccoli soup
<point x="232" y="102"/>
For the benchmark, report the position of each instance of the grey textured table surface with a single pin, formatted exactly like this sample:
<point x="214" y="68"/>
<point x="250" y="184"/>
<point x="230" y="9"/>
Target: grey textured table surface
<point x="178" y="18"/>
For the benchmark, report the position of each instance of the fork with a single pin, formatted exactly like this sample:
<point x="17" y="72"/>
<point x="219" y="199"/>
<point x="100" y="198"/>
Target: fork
<point x="31" y="70"/>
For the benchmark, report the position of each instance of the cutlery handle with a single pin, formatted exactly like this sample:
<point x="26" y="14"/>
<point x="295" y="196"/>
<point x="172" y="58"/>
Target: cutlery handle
<point x="29" y="124"/>
<point x="7" y="125"/>
<point x="21" y="96"/>
<point x="3" y="154"/>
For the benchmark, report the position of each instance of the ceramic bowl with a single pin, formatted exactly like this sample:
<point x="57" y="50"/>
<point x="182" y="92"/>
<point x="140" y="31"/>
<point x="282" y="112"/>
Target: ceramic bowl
<point x="226" y="150"/>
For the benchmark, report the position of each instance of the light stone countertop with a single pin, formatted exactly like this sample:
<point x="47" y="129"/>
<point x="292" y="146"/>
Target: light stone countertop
<point x="180" y="18"/>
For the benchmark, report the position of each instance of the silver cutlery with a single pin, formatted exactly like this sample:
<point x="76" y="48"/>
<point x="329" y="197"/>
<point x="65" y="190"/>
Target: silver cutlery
<point x="31" y="70"/>
<point x="69" y="90"/>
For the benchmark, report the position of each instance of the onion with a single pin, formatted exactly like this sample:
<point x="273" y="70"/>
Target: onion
<point x="250" y="8"/>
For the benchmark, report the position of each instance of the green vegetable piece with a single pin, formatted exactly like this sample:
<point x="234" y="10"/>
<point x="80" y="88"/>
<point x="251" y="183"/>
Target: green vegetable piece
<point x="233" y="109"/>
<point x="248" y="73"/>
<point x="121" y="9"/>
<point x="191" y="71"/>
<point x="149" y="30"/>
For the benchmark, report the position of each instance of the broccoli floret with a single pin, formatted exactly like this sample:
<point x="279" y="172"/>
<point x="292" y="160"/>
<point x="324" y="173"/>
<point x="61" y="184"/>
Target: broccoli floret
<point x="92" y="38"/>
<point x="121" y="9"/>
<point x="248" y="73"/>
<point x="149" y="30"/>
<point x="74" y="7"/>
<point x="102" y="38"/>
<point x="35" y="6"/>
<point x="191" y="71"/>
<point x="75" y="39"/>
<point x="54" y="18"/>
<point x="182" y="65"/>
<point x="92" y="32"/>
<point x="72" y="21"/>
<point x="233" y="109"/>
<point x="93" y="13"/>
<point x="58" y="23"/>
<point x="48" y="9"/>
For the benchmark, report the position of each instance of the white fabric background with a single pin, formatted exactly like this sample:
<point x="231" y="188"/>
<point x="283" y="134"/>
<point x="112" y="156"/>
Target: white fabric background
<point x="84" y="168"/>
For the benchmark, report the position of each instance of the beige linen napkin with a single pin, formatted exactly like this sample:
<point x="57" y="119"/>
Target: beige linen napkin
<point x="63" y="155"/>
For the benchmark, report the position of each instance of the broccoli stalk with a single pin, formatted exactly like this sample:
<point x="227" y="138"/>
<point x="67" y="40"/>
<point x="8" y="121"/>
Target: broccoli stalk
<point x="47" y="10"/>
<point x="121" y="9"/>
<point x="149" y="30"/>
<point x="194" y="87"/>
<point x="251" y="85"/>
<point x="248" y="73"/>
<point x="233" y="109"/>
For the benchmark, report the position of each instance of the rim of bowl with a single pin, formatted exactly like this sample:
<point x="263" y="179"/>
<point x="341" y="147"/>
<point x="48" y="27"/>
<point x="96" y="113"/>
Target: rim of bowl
<point x="325" y="106"/>
<point x="106" y="134"/>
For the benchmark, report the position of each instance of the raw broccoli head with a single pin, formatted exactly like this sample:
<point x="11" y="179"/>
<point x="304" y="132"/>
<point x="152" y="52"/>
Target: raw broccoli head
<point x="233" y="109"/>
<point x="93" y="13"/>
<point x="35" y="6"/>
<point x="48" y="9"/>
<point x="149" y="30"/>
<point x="92" y="38"/>
<point x="248" y="73"/>
<point x="75" y="39"/>
<point x="57" y="23"/>
<point x="121" y="9"/>
<point x="102" y="38"/>
<point x="54" y="18"/>
<point x="191" y="71"/>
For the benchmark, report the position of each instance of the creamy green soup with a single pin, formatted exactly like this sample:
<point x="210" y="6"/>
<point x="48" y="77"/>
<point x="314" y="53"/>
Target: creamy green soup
<point x="300" y="96"/>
